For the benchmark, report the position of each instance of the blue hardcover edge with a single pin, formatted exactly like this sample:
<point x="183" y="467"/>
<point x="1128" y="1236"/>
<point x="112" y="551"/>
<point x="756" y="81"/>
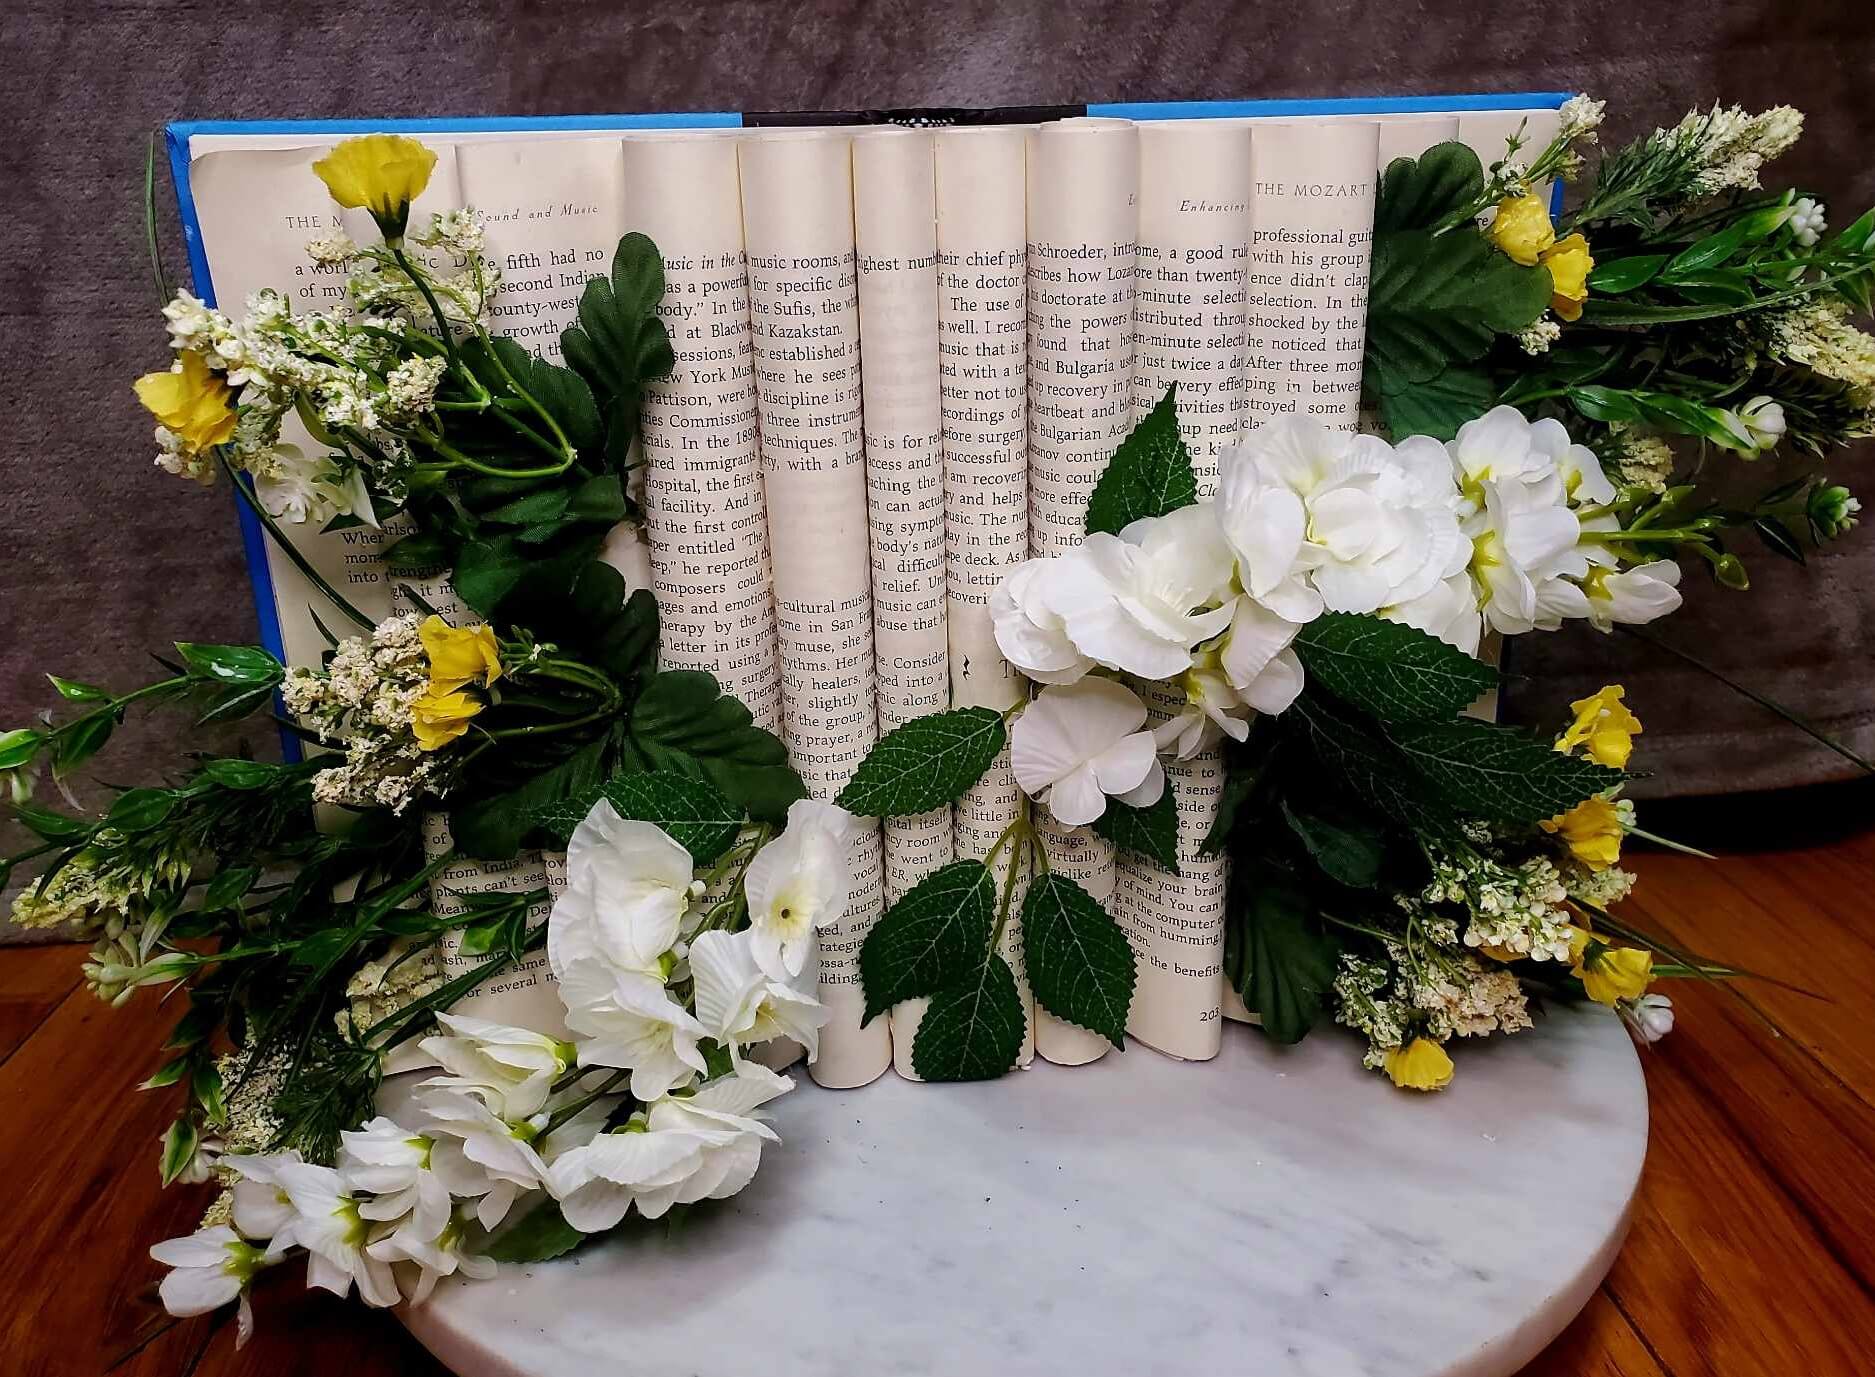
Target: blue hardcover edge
<point x="178" y="133"/>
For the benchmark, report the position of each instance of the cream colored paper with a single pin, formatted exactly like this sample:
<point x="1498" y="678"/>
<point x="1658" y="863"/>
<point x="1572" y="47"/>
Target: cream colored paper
<point x="1488" y="132"/>
<point x="982" y="295"/>
<point x="1189" y="313"/>
<point x="1312" y="232"/>
<point x="704" y="512"/>
<point x="797" y="208"/>
<point x="1176" y="922"/>
<point x="1083" y="239"/>
<point x="257" y="210"/>
<point x="1407" y="136"/>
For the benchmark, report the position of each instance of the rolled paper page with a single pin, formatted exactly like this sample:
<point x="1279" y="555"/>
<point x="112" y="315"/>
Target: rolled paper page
<point x="1407" y="136"/>
<point x="704" y="514"/>
<point x="895" y="226"/>
<point x="1176" y="922"/>
<point x="797" y="208"/>
<point x="1192" y="298"/>
<point x="1083" y="214"/>
<point x="1488" y="133"/>
<point x="257" y="211"/>
<point x="982" y="294"/>
<point x="1312" y="238"/>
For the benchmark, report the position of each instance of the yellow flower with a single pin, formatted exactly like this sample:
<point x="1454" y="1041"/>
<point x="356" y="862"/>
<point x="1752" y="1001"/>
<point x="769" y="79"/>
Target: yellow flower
<point x="1605" y="725"/>
<point x="1569" y="263"/>
<point x="1420" y="1065"/>
<point x="1592" y="829"/>
<point x="442" y="715"/>
<point x="1522" y="228"/>
<point x="1609" y="974"/>
<point x="459" y="656"/>
<point x="381" y="173"/>
<point x="192" y="401"/>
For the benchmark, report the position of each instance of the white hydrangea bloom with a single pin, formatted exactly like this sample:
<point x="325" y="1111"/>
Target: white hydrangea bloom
<point x="1078" y="744"/>
<point x="741" y="1005"/>
<point x="798" y="884"/>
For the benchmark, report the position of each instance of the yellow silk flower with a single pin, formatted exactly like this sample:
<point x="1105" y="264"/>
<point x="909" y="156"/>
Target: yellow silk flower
<point x="1609" y="974"/>
<point x="1592" y="830"/>
<point x="192" y="401"/>
<point x="438" y="717"/>
<point x="459" y="656"/>
<point x="1420" y="1065"/>
<point x="1604" y="724"/>
<point x="1522" y="228"/>
<point x="1569" y="263"/>
<point x="381" y="173"/>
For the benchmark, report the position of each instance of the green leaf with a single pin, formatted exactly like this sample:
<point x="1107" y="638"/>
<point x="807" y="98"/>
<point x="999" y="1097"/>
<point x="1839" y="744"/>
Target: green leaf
<point x="1778" y="539"/>
<point x="229" y="886"/>
<point x="1392" y="671"/>
<point x="205" y="1089"/>
<point x="79" y="741"/>
<point x="167" y="1074"/>
<point x="322" y="947"/>
<point x="234" y="702"/>
<point x="972" y="1030"/>
<point x="684" y="721"/>
<point x="924" y="764"/>
<point x="74" y="692"/>
<point x="178" y="1149"/>
<point x="541" y="1235"/>
<point x="240" y="775"/>
<point x="1289" y="962"/>
<point x="18" y="747"/>
<point x="1707" y="253"/>
<point x="1080" y="964"/>
<point x="48" y="825"/>
<point x="1150" y="473"/>
<point x="936" y="934"/>
<point x="1501" y="773"/>
<point x="620" y="343"/>
<point x="690" y="809"/>
<point x="1418" y="194"/>
<point x="1348" y="852"/>
<point x="1151" y="832"/>
<point x="1438" y="406"/>
<point x="1366" y="764"/>
<point x="138" y="810"/>
<point x="419" y="552"/>
<point x="1625" y="274"/>
<point x="493" y="826"/>
<point x="1436" y="301"/>
<point x="232" y="664"/>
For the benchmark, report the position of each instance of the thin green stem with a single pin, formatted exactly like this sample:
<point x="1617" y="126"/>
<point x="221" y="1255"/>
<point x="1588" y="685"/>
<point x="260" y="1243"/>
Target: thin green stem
<point x="246" y="495"/>
<point x="567" y="1111"/>
<point x="422" y="284"/>
<point x="1769" y="705"/>
<point x="1669" y="843"/>
<point x="163" y="292"/>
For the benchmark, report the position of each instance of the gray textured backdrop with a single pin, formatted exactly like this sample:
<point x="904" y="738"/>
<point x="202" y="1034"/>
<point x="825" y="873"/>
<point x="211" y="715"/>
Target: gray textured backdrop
<point x="106" y="559"/>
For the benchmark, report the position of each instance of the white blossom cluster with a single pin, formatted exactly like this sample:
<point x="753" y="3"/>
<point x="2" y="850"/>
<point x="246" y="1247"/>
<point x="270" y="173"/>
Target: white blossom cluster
<point x="1513" y="910"/>
<point x="404" y="974"/>
<point x="650" y="974"/>
<point x="1424" y="986"/>
<point x="1506" y="527"/>
<point x="362" y="700"/>
<point x="1815" y="332"/>
<point x="1729" y="146"/>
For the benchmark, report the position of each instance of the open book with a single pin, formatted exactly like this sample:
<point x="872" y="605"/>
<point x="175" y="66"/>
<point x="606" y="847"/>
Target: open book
<point x="904" y="357"/>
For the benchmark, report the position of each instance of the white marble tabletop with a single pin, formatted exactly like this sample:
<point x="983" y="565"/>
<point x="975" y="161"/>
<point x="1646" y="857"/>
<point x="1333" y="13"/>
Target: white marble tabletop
<point x="1272" y="1212"/>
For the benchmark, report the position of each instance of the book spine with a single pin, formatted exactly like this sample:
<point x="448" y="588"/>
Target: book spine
<point x="797" y="215"/>
<point x="1083" y="231"/>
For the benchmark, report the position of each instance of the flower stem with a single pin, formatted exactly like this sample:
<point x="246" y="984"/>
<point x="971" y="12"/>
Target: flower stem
<point x="567" y="1111"/>
<point x="300" y="562"/>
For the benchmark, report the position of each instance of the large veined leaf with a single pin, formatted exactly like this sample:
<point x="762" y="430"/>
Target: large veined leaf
<point x="1288" y="960"/>
<point x="1502" y="773"/>
<point x="1392" y="671"/>
<point x="972" y="1030"/>
<point x="1424" y="192"/>
<point x="925" y="763"/>
<point x="1080" y="964"/>
<point x="691" y="810"/>
<point x="935" y="935"/>
<point x="1151" y="832"/>
<point x="1438" y="406"/>
<point x="1439" y="300"/>
<point x="620" y="343"/>
<point x="1150" y="474"/>
<point x="684" y="721"/>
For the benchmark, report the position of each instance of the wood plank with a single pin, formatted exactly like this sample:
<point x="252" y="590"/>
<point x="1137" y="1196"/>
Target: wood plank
<point x="1725" y="1273"/>
<point x="1789" y="915"/>
<point x="32" y="982"/>
<point x="1598" y="1343"/>
<point x="83" y="1185"/>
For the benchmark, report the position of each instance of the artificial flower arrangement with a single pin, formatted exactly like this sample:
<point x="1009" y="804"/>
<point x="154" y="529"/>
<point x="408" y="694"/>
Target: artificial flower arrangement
<point x="1411" y="871"/>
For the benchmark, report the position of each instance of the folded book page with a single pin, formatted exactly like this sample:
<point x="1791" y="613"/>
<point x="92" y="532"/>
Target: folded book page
<point x="895" y="222"/>
<point x="982" y="294"/>
<point x="1407" y="136"/>
<point x="257" y="210"/>
<point x="1083" y="229"/>
<point x="1312" y="235"/>
<point x="1488" y="133"/>
<point x="1194" y="248"/>
<point x="704" y="512"/>
<point x="797" y="208"/>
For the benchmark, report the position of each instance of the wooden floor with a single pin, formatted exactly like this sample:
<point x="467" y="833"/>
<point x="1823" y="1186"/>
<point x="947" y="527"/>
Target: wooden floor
<point x="1752" y="1251"/>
